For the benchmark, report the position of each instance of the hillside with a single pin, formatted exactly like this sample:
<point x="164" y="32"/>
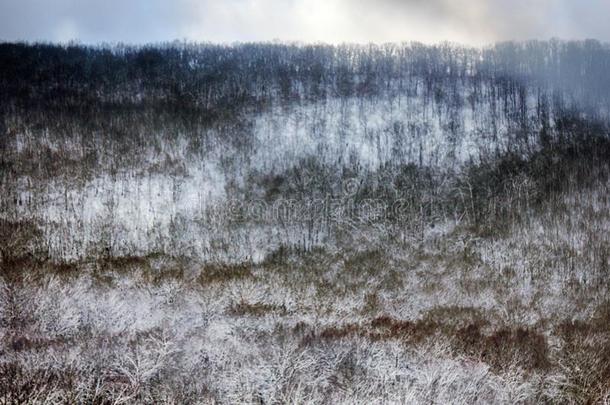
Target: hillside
<point x="266" y="223"/>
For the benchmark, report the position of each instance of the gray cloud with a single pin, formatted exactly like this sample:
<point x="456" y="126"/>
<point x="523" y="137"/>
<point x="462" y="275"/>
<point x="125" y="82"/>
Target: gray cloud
<point x="141" y="21"/>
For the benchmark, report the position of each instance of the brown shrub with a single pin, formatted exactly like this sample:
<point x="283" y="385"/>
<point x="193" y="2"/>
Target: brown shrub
<point x="65" y="269"/>
<point x="154" y="268"/>
<point x="504" y="347"/>
<point x="367" y="262"/>
<point x="585" y="357"/>
<point x="217" y="273"/>
<point x="340" y="332"/>
<point x="499" y="349"/>
<point x="18" y="386"/>
<point x="328" y="334"/>
<point x="385" y="327"/>
<point x="13" y="268"/>
<point x="259" y="309"/>
<point x="24" y="343"/>
<point x="123" y="262"/>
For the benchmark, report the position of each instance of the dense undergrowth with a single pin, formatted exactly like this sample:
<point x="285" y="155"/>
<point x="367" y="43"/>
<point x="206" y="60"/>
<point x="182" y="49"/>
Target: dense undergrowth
<point x="304" y="224"/>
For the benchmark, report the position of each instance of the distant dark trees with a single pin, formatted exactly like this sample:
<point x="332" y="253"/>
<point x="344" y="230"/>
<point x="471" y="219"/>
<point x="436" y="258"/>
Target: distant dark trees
<point x="206" y="76"/>
<point x="123" y="94"/>
<point x="120" y="93"/>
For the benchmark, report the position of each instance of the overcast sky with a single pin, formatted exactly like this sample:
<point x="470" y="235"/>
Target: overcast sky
<point x="333" y="21"/>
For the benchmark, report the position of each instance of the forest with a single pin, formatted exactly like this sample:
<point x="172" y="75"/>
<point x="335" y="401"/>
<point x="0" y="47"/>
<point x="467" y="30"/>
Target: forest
<point x="273" y="223"/>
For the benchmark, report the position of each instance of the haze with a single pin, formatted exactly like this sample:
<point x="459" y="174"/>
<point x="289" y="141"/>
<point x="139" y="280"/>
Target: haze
<point x="332" y="21"/>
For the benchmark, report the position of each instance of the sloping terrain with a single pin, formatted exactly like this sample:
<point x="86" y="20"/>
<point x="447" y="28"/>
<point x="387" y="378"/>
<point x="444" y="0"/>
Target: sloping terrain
<point x="271" y="223"/>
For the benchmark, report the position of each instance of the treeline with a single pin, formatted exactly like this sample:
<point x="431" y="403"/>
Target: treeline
<point x="214" y="77"/>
